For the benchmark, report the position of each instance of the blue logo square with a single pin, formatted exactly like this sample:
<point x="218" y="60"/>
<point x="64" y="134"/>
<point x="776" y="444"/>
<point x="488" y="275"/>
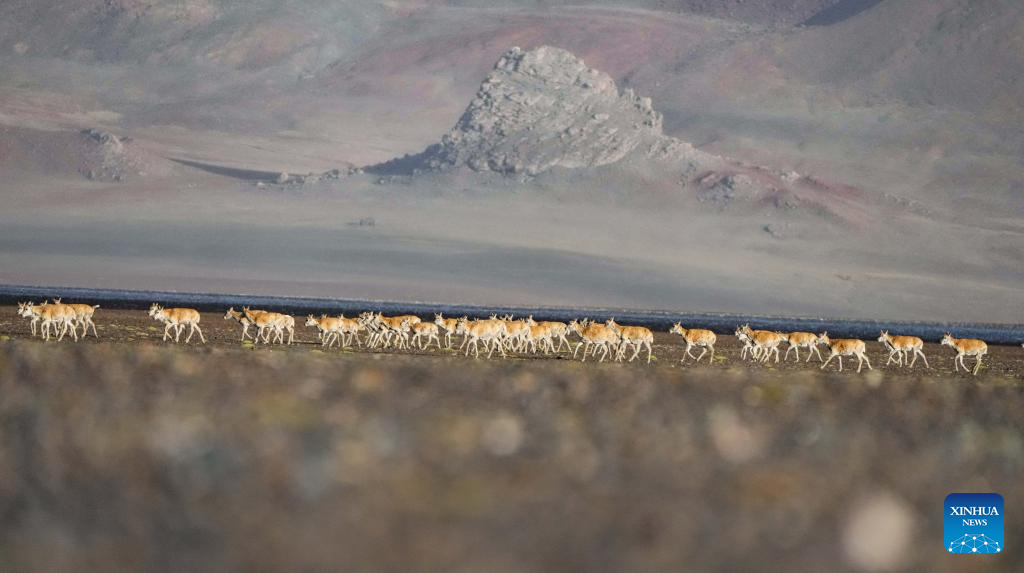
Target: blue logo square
<point x="974" y="523"/>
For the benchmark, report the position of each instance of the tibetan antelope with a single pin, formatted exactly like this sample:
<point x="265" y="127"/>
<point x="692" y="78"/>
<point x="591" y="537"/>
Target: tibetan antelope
<point x="241" y="319"/>
<point x="329" y="328"/>
<point x="742" y="334"/>
<point x="542" y="334"/>
<point x="177" y="318"/>
<point x="30" y="311"/>
<point x="427" y="331"/>
<point x="350" y="328"/>
<point x="798" y="340"/>
<point x="846" y="347"/>
<point x="490" y="331"/>
<point x="267" y="322"/>
<point x="448" y="325"/>
<point x="696" y="337"/>
<point x="83" y="316"/>
<point x="384" y="329"/>
<point x="517" y="333"/>
<point x="638" y="336"/>
<point x="60" y="316"/>
<point x="966" y="347"/>
<point x="900" y="347"/>
<point x="762" y="343"/>
<point x="558" y="330"/>
<point x="594" y="335"/>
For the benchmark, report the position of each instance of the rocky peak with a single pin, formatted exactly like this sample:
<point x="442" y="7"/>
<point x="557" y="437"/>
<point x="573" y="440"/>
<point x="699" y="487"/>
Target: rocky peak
<point x="545" y="108"/>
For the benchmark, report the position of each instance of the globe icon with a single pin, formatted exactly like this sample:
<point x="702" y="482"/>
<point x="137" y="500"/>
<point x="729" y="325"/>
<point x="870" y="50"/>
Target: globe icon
<point x="974" y="543"/>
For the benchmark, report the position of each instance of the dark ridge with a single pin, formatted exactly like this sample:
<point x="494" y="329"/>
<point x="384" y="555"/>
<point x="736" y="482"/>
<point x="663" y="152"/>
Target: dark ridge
<point x="839" y="12"/>
<point x="657" y="319"/>
<point x="405" y="165"/>
<point x="233" y="172"/>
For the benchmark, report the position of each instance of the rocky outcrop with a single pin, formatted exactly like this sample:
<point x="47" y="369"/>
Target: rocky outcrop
<point x="107" y="157"/>
<point x="544" y="108"/>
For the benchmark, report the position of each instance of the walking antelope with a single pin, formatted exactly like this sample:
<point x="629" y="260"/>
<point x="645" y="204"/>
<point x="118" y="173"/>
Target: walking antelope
<point x="557" y="330"/>
<point x="696" y="337"/>
<point x="966" y="347"/>
<point x="900" y="347"/>
<point x="60" y="316"/>
<point x="742" y="334"/>
<point x="329" y="328"/>
<point x="276" y="322"/>
<point x="83" y="316"/>
<point x="177" y="318"/>
<point x="846" y="347"/>
<point x="385" y="328"/>
<point x="287" y="322"/>
<point x="638" y="336"/>
<point x="762" y="343"/>
<point x="268" y="323"/>
<point x="350" y="328"/>
<point x="543" y="334"/>
<point x="798" y="340"/>
<point x="489" y="331"/>
<point x="427" y="330"/>
<point x="241" y="319"/>
<point x="517" y="334"/>
<point x="33" y="313"/>
<point x="596" y="335"/>
<point x="448" y="325"/>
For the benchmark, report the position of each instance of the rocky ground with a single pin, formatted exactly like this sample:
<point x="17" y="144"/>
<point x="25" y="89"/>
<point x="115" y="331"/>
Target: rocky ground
<point x="131" y="454"/>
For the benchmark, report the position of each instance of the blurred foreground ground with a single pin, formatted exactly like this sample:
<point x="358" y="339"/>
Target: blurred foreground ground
<point x="139" y="456"/>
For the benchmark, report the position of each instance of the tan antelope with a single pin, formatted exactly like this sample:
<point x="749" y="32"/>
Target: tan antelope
<point x="60" y="316"/>
<point x="448" y="325"/>
<point x="384" y="329"/>
<point x="846" y="347"/>
<point x="397" y="328"/>
<point x="542" y="334"/>
<point x="901" y="347"/>
<point x="83" y="316"/>
<point x="350" y="328"/>
<point x="639" y="337"/>
<point x="808" y="340"/>
<point x="329" y="328"/>
<point x="177" y="318"/>
<point x="64" y="316"/>
<point x="410" y="318"/>
<point x="269" y="324"/>
<point x="760" y="343"/>
<point x="288" y="323"/>
<point x="517" y="333"/>
<point x="594" y="335"/>
<point x="29" y="311"/>
<point x="966" y="347"/>
<point x="427" y="331"/>
<point x="743" y="336"/>
<point x="558" y="330"/>
<point x="32" y="312"/>
<point x="241" y="319"/>
<point x="489" y="331"/>
<point x="696" y="337"/>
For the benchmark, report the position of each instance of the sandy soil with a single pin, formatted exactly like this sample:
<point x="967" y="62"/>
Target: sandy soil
<point x="131" y="454"/>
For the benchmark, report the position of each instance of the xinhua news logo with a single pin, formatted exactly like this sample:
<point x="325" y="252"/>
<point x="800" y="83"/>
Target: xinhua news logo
<point x="974" y="523"/>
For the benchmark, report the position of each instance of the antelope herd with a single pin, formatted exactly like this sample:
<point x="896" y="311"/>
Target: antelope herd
<point x="505" y="334"/>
